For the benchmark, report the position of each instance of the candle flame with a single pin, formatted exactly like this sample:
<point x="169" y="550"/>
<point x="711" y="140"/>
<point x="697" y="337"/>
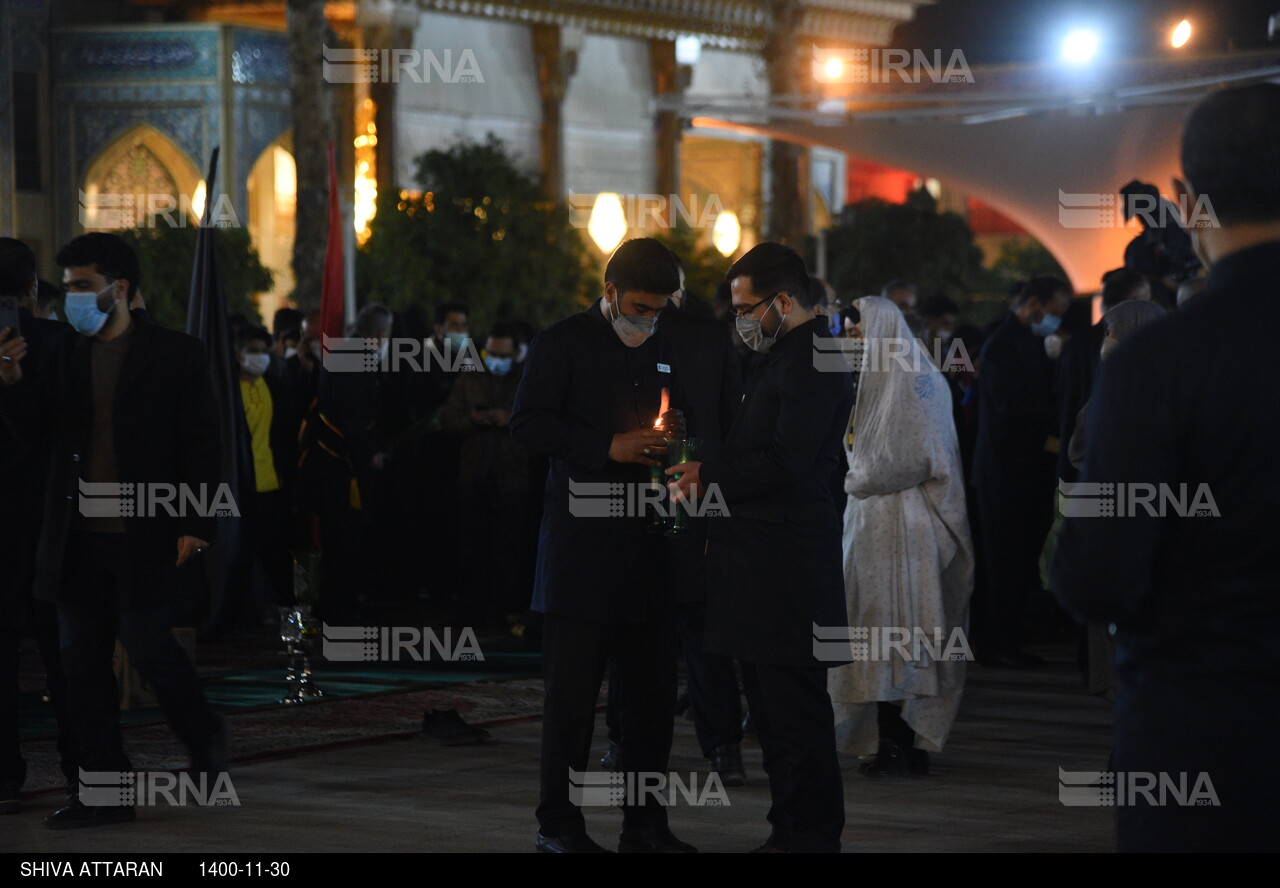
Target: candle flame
<point x="662" y="408"/>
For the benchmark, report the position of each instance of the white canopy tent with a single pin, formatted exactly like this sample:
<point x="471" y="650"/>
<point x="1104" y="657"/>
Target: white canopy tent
<point x="1030" y="142"/>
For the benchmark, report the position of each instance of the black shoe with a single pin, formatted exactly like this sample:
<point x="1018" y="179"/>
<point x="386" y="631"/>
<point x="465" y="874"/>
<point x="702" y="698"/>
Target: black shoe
<point x="576" y="844"/>
<point x="212" y="761"/>
<point x="653" y="840"/>
<point x="612" y="760"/>
<point x="727" y="762"/>
<point x="446" y="727"/>
<point x="894" y="761"/>
<point x="78" y="816"/>
<point x="9" y="798"/>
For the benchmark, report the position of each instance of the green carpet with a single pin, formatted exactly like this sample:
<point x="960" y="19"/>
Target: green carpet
<point x="247" y="689"/>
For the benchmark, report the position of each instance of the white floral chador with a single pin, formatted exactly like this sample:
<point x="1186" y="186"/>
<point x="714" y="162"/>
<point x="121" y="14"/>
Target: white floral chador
<point x="908" y="556"/>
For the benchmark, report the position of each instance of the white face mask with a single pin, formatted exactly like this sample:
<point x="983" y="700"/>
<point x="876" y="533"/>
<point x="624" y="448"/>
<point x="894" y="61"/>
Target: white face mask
<point x="632" y="331"/>
<point x="255" y="365"/>
<point x="1053" y="345"/>
<point x="290" y="352"/>
<point x="752" y="330"/>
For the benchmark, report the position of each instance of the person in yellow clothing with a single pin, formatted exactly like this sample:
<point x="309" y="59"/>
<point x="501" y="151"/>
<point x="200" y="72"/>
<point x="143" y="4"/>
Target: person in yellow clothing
<point x="272" y="418"/>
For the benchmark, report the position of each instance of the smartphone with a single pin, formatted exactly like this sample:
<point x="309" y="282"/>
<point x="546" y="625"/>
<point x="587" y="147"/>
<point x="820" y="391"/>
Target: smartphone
<point x="9" y="315"/>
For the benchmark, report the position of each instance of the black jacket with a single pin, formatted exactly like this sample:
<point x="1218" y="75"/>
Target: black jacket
<point x="1077" y="367"/>
<point x="1195" y="601"/>
<point x="23" y="466"/>
<point x="711" y="389"/>
<point x="581" y="386"/>
<point x="1015" y="411"/>
<point x="166" y="427"/>
<point x="774" y="561"/>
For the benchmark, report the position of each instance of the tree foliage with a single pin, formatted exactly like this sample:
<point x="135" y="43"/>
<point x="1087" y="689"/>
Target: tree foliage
<point x="167" y="253"/>
<point x="479" y="230"/>
<point x="1022" y="259"/>
<point x="704" y="266"/>
<point x="873" y="242"/>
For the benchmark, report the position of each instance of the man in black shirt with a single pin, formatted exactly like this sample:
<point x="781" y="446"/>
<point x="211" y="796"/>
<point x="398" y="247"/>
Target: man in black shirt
<point x="774" y="560"/>
<point x="123" y="401"/>
<point x="589" y="398"/>
<point x="1184" y="408"/>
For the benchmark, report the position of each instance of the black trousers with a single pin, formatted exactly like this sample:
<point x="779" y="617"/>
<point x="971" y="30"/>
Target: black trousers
<point x="89" y="627"/>
<point x="42" y="621"/>
<point x="713" y="687"/>
<point x="574" y="656"/>
<point x="497" y="570"/>
<point x="267" y="530"/>
<point x="1015" y="523"/>
<point x="350" y="560"/>
<point x="268" y="536"/>
<point x="795" y="724"/>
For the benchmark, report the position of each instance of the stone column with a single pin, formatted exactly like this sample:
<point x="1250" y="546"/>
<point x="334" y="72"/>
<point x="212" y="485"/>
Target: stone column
<point x="385" y="24"/>
<point x="666" y="123"/>
<point x="311" y="102"/>
<point x="556" y="65"/>
<point x="788" y="219"/>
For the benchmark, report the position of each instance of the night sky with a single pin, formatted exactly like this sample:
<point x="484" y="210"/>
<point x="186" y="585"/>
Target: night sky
<point x="1019" y="31"/>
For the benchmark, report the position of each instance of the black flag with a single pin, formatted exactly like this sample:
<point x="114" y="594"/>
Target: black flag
<point x="207" y="321"/>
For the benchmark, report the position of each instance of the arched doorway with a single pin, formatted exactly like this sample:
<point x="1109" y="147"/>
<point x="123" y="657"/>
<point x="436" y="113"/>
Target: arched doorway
<point x="272" y="194"/>
<point x="141" y="178"/>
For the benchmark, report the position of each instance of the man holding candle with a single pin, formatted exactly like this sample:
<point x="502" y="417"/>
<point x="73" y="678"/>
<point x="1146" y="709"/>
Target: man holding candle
<point x="774" y="562"/>
<point x="588" y="400"/>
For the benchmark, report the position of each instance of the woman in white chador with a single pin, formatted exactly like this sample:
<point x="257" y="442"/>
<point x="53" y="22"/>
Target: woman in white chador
<point x="908" y="556"/>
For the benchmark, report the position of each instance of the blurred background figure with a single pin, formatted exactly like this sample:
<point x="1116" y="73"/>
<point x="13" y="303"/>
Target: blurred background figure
<point x="1079" y="362"/>
<point x="1014" y="458"/>
<point x="272" y="418"/>
<point x="901" y="293"/>
<point x="343" y="455"/>
<point x="286" y="328"/>
<point x="23" y="469"/>
<point x="303" y="367"/>
<point x="494" y="477"/>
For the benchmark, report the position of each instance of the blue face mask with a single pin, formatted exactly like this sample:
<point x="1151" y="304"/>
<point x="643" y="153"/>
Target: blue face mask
<point x="458" y="340"/>
<point x="83" y="313"/>
<point x="498" y="366"/>
<point x="1047" y="326"/>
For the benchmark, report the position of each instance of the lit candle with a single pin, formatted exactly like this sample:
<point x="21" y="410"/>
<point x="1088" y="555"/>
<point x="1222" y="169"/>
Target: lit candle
<point x="662" y="409"/>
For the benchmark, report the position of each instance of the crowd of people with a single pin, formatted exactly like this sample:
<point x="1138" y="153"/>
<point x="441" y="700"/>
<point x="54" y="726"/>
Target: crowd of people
<point x="910" y="489"/>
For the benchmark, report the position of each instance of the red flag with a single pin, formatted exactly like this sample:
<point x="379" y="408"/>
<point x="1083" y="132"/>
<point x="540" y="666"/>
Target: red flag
<point x="332" y="290"/>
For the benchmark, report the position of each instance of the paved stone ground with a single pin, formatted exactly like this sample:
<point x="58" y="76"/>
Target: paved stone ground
<point x="994" y="789"/>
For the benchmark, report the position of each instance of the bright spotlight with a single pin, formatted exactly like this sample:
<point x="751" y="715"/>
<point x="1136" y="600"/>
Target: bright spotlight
<point x="833" y="68"/>
<point x="1181" y="34"/>
<point x="727" y="233"/>
<point x="1080" y="46"/>
<point x="608" y="223"/>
